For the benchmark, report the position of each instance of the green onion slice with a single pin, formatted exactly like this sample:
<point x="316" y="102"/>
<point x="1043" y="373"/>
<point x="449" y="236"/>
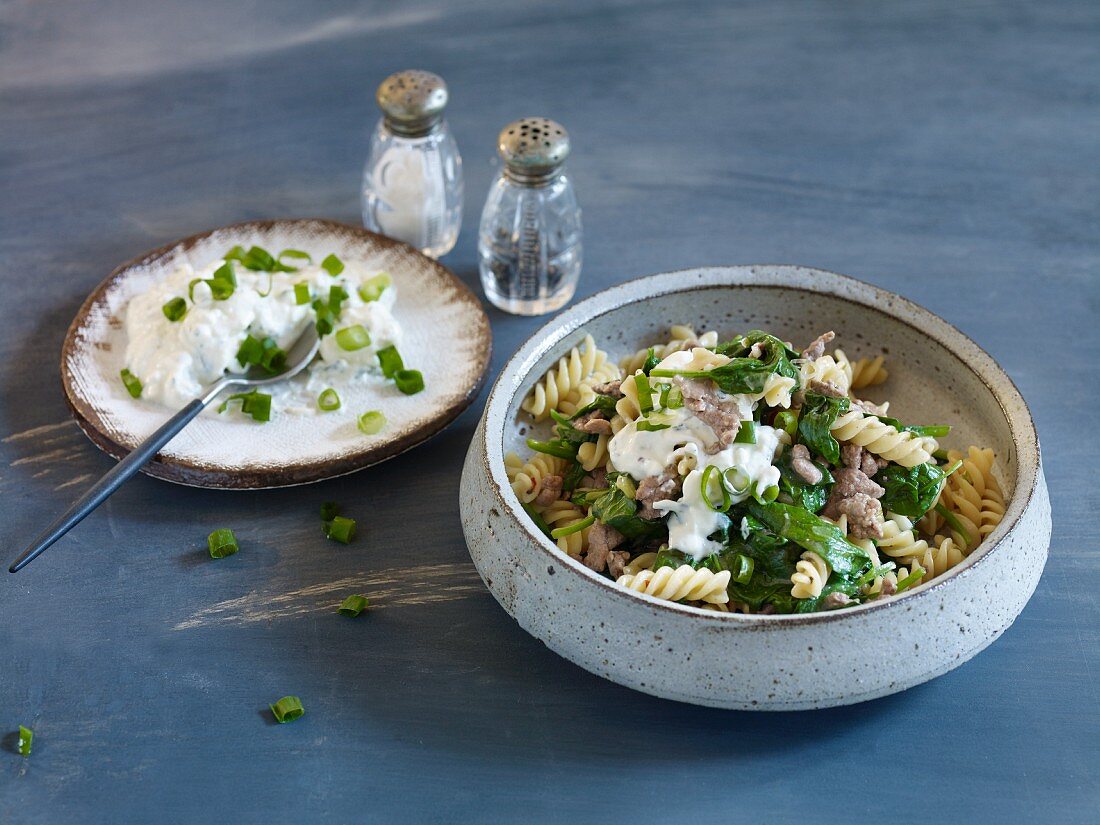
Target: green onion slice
<point x="26" y="737"/>
<point x="256" y="404"/>
<point x="645" y="394"/>
<point x="767" y="495"/>
<point x="287" y="709"/>
<point x="912" y="579"/>
<point x="626" y="485"/>
<point x="742" y="571"/>
<point x="409" y="382"/>
<point x="325" y="317"/>
<point x="131" y="382"/>
<point x="746" y="433"/>
<point x="372" y="288"/>
<point x="329" y="510"/>
<point x="353" y="605"/>
<point x="353" y="338"/>
<point x="340" y="529"/>
<point x="644" y="425"/>
<point x="371" y="422"/>
<point x="562" y="532"/>
<point x="175" y="309"/>
<point x="712" y="482"/>
<point x="787" y="421"/>
<point x="332" y="265"/>
<point x="336" y="297"/>
<point x="328" y="400"/>
<point x="390" y="361"/>
<point x="737" y="480"/>
<point x="301" y="293"/>
<point x="222" y="543"/>
<point x="294" y="254"/>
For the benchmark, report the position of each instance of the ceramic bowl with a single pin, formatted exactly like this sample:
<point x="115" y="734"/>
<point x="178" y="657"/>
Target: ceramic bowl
<point x="795" y="662"/>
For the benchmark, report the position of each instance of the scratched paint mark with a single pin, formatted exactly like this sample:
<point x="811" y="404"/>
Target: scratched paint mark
<point x="50" y="450"/>
<point x="394" y="587"/>
<point x="38" y="432"/>
<point x="78" y="480"/>
<point x="48" y="456"/>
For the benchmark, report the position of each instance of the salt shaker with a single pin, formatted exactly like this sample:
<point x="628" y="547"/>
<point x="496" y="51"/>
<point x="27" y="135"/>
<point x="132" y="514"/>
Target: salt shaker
<point x="529" y="244"/>
<point x="412" y="183"/>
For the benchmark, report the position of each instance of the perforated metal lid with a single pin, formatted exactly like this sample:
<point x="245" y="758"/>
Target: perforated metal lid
<point x="533" y="148"/>
<point x="412" y="101"/>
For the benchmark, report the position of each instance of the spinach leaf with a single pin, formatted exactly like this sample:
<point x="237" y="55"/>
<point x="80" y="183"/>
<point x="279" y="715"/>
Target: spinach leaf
<point x="670" y="557"/>
<point x="743" y="374"/>
<point x="573" y="476"/>
<point x="616" y="510"/>
<point x="813" y="533"/>
<point x="819" y="412"/>
<point x="809" y="496"/>
<point x="910" y="491"/>
<point x="651" y="361"/>
<point x="934" y="430"/>
<point x="604" y="403"/>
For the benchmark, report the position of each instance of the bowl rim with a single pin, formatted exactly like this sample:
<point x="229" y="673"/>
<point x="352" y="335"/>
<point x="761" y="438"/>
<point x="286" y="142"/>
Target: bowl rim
<point x="517" y="369"/>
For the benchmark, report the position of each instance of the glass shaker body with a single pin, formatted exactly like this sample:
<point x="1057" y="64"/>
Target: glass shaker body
<point x="530" y="245"/>
<point x="412" y="188"/>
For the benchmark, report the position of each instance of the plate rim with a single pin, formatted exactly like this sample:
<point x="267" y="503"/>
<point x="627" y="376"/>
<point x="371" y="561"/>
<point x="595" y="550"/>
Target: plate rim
<point x="189" y="473"/>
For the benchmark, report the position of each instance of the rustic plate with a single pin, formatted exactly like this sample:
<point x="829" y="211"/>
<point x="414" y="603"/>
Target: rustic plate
<point x="447" y="337"/>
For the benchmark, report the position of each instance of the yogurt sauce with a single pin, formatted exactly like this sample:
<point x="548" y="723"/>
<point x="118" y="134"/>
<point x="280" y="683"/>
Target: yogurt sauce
<point x="642" y="453"/>
<point x="177" y="361"/>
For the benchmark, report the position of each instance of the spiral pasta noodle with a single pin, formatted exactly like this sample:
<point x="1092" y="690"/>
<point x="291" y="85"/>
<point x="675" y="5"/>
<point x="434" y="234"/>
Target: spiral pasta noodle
<point x="809" y="576"/>
<point x="680" y="583"/>
<point x="680" y="338"/>
<point x="880" y="438"/>
<point x="527" y="478"/>
<point x="827" y="370"/>
<point x="645" y="561"/>
<point x="940" y="557"/>
<point x="567" y="386"/>
<point x="565" y="514"/>
<point x="863" y="372"/>
<point x="593" y="454"/>
<point x="898" y="539"/>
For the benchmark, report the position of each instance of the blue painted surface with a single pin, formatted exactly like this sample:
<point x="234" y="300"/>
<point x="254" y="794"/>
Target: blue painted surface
<point x="944" y="150"/>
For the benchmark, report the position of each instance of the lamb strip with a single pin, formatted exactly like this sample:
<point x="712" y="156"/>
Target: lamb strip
<point x="610" y="388"/>
<point x="550" y="491"/>
<point x="816" y="349"/>
<point x="827" y="388"/>
<point x="856" y="496"/>
<point x="869" y="407"/>
<point x="835" y="600"/>
<point x="656" y="488"/>
<point x="862" y="459"/>
<point x="596" y="479"/>
<point x="712" y="406"/>
<point x="616" y="561"/>
<point x="602" y="539"/>
<point x="593" y="423"/>
<point x="801" y="464"/>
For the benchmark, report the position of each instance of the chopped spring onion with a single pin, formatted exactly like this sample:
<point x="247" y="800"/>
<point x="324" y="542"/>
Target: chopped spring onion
<point x="332" y="265"/>
<point x="352" y="338"/>
<point x="353" y="605"/>
<point x="133" y="385"/>
<point x="787" y="421"/>
<point x="222" y="543"/>
<point x="373" y="288"/>
<point x="746" y="433"/>
<point x="175" y="309"/>
<point x="651" y="360"/>
<point x="940" y="454"/>
<point x="570" y="529"/>
<point x="26" y="737"/>
<point x="287" y="709"/>
<point x="301" y="293"/>
<point x="409" y="382"/>
<point x="329" y="510"/>
<point x="675" y="399"/>
<point x="250" y="351"/>
<point x="336" y="296"/>
<point x="325" y="317"/>
<point x="646" y="426"/>
<point x="256" y="404"/>
<point x="742" y="572"/>
<point x="257" y="259"/>
<point x="295" y="254"/>
<point x="270" y="285"/>
<point x="737" y="480"/>
<point x="340" y="529"/>
<point x="645" y="394"/>
<point x="626" y="485"/>
<point x="956" y="525"/>
<point x="328" y="400"/>
<point x="371" y="422"/>
<point x="912" y="579"/>
<point x="224" y="282"/>
<point x="390" y="361"/>
<point x="266" y="354"/>
<point x="711" y="482"/>
<point x="767" y="495"/>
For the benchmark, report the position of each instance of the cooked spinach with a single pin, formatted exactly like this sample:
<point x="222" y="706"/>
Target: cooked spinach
<point x="614" y="509"/>
<point x="910" y="491"/>
<point x="744" y="374"/>
<point x="933" y="430"/>
<point x="811" y="532"/>
<point x="819" y="413"/>
<point x="810" y="496"/>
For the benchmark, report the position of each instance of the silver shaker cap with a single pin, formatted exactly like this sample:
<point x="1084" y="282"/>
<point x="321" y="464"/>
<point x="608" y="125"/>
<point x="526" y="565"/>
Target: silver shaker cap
<point x="533" y="148"/>
<point x="412" y="101"/>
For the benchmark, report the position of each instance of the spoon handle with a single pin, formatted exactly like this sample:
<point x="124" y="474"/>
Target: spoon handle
<point x="110" y="482"/>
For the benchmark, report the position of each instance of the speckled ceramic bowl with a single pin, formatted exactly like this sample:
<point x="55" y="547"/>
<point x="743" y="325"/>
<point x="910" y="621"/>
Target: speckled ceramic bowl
<point x="768" y="662"/>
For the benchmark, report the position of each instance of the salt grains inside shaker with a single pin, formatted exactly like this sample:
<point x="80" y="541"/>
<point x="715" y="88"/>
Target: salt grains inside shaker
<point x="412" y="182"/>
<point x="529" y="244"/>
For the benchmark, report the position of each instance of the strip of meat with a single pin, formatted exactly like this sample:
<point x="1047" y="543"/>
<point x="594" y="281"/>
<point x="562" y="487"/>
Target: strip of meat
<point x="602" y="539"/>
<point x="652" y="489"/>
<point x="610" y="388"/>
<point x="801" y="464"/>
<point x="616" y="561"/>
<point x="817" y="348"/>
<point x="593" y="423"/>
<point x="825" y="388"/>
<point x="856" y="496"/>
<point x="718" y="410"/>
<point x="860" y="458"/>
<point x="550" y="490"/>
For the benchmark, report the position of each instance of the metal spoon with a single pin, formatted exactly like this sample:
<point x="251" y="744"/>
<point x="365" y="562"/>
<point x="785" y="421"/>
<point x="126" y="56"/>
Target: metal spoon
<point x="299" y="356"/>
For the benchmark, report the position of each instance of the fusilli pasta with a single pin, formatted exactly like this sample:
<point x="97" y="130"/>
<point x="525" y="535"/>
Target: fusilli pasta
<point x="882" y="439"/>
<point x="568" y="386"/>
<point x="680" y="337"/>
<point x="680" y="583"/>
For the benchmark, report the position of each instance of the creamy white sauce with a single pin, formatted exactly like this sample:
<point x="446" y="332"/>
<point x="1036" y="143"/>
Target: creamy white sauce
<point x="177" y="361"/>
<point x="642" y="453"/>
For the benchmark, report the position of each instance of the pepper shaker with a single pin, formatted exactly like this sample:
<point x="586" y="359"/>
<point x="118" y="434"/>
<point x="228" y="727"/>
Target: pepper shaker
<point x="412" y="182"/>
<point x="529" y="244"/>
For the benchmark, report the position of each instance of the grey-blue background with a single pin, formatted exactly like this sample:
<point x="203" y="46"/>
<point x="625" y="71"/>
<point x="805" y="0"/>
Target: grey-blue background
<point x="946" y="150"/>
